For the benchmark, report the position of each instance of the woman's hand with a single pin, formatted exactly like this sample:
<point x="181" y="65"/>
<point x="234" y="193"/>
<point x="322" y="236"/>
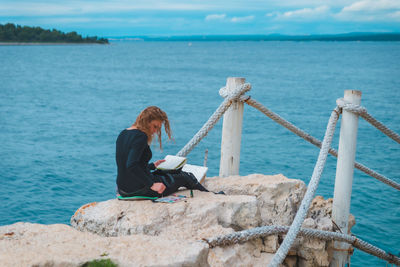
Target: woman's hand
<point x="158" y="187"/>
<point x="158" y="162"/>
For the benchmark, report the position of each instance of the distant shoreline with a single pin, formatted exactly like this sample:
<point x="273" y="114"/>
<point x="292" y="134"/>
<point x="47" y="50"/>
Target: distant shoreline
<point x="347" y="37"/>
<point x="17" y="34"/>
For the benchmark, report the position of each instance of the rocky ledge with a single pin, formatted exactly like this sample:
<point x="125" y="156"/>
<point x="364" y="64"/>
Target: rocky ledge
<point x="144" y="233"/>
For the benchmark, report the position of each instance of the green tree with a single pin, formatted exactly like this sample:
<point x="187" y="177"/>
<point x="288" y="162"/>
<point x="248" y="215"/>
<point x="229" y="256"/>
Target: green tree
<point x="16" y="33"/>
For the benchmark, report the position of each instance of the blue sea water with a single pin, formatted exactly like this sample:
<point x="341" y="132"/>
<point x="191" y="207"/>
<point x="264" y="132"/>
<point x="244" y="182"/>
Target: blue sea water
<point x="62" y="107"/>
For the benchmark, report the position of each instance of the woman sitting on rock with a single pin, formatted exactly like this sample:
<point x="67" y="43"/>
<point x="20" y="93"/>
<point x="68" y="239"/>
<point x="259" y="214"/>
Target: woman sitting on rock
<point x="135" y="176"/>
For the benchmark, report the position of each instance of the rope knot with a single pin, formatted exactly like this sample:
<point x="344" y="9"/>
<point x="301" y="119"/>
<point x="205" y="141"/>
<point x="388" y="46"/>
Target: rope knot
<point x="236" y="93"/>
<point x="356" y="109"/>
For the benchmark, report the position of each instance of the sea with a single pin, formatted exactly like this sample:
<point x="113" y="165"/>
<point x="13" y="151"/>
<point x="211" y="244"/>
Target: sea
<point x="63" y="106"/>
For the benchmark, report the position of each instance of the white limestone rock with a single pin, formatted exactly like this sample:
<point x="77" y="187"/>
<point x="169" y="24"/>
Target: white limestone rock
<point x="144" y="233"/>
<point x="246" y="254"/>
<point x="205" y="215"/>
<point x="314" y="252"/>
<point x="26" y="244"/>
<point x="250" y="201"/>
<point x="278" y="197"/>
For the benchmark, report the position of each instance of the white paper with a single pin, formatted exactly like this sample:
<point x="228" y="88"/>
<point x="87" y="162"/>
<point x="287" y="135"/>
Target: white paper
<point x="171" y="162"/>
<point x="198" y="171"/>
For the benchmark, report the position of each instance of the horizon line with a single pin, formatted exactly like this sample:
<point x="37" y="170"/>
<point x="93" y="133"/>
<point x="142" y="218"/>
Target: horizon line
<point x="351" y="36"/>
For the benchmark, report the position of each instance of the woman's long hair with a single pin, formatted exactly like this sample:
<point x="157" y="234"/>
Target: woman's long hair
<point x="149" y="114"/>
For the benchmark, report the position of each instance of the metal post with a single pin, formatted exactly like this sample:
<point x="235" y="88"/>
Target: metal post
<point x="344" y="176"/>
<point x="231" y="133"/>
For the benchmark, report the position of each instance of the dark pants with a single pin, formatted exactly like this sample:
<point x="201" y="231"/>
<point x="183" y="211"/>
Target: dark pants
<point x="172" y="182"/>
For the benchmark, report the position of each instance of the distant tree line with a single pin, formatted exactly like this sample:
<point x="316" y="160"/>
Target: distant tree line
<point x="16" y="33"/>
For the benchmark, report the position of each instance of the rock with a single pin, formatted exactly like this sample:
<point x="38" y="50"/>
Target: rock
<point x="290" y="261"/>
<point x="314" y="252"/>
<point x="270" y="244"/>
<point x="144" y="233"/>
<point x="26" y="244"/>
<point x="278" y="197"/>
<point x="248" y="201"/>
<point x="247" y="254"/>
<point x="309" y="223"/>
<point x="203" y="216"/>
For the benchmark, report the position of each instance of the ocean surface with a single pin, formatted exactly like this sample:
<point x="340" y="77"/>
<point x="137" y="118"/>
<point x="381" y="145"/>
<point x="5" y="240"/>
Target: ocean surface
<point x="62" y="107"/>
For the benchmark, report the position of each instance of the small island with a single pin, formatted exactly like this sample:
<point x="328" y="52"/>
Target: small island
<point x="11" y="33"/>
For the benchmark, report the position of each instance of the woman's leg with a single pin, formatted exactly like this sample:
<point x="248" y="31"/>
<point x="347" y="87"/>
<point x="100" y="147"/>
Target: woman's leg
<point x="144" y="192"/>
<point x="171" y="184"/>
<point x="181" y="179"/>
<point x="192" y="182"/>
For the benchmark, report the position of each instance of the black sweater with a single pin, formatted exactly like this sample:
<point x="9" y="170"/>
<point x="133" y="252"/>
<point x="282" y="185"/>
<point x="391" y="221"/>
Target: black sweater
<point x="132" y="156"/>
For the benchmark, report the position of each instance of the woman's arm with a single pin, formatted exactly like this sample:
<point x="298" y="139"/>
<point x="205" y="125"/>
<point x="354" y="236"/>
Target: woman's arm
<point x="154" y="165"/>
<point x="133" y="161"/>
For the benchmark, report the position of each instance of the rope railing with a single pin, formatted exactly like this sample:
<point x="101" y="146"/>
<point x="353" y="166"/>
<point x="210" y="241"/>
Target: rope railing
<point x="250" y="234"/>
<point x="213" y="119"/>
<point x="295" y="228"/>
<point x="280" y="255"/>
<point x="356" y="109"/>
<point x="309" y="138"/>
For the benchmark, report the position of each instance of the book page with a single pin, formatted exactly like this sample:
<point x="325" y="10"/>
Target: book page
<point x="172" y="162"/>
<point x="198" y="171"/>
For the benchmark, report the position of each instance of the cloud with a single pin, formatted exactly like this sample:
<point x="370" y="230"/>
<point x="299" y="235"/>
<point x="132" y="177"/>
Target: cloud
<point x="307" y="12"/>
<point x="215" y="17"/>
<point x="223" y="17"/>
<point x="272" y="14"/>
<point x="302" y="14"/>
<point x="395" y="15"/>
<point x="75" y="20"/>
<point x="206" y="16"/>
<point x="242" y="19"/>
<point x="368" y="10"/>
<point x="76" y="7"/>
<point x="372" y="6"/>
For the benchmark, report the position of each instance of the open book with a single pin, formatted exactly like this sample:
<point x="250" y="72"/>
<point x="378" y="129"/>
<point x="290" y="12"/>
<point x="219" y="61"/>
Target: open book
<point x="175" y="162"/>
<point x="172" y="163"/>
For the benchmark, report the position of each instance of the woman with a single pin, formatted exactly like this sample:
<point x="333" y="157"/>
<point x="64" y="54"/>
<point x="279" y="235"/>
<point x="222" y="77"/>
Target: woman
<point x="133" y="155"/>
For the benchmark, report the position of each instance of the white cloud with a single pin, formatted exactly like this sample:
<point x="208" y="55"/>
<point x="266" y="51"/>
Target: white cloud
<point x="355" y="10"/>
<point x="44" y="8"/>
<point x="215" y="17"/>
<point x="395" y="15"/>
<point x="303" y="14"/>
<point x="242" y="19"/>
<point x="74" y="20"/>
<point x="368" y="10"/>
<point x="288" y="13"/>
<point x="298" y="4"/>
<point x="272" y="14"/>
<point x="307" y="12"/>
<point x="372" y="5"/>
<point x="224" y="17"/>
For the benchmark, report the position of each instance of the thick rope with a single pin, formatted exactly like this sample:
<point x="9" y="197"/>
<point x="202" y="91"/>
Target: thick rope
<point x="356" y="109"/>
<point x="213" y="119"/>
<point x="376" y="175"/>
<point x="246" y="235"/>
<point x="325" y="149"/>
<point x="280" y="255"/>
<point x="309" y="138"/>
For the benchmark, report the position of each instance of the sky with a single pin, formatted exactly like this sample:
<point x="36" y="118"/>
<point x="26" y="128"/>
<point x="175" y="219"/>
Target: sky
<point x="110" y="18"/>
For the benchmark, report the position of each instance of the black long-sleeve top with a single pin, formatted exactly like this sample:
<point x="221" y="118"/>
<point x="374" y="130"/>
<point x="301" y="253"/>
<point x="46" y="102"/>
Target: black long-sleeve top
<point x="133" y="155"/>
